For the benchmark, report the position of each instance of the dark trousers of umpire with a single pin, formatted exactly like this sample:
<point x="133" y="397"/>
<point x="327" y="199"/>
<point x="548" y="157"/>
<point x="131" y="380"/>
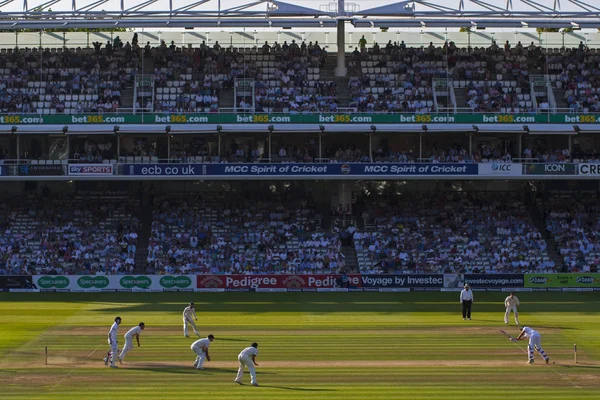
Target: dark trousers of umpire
<point x="467" y="308"/>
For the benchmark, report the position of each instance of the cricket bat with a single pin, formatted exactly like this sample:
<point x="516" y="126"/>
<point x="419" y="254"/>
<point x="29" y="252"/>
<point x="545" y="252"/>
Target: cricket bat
<point x="512" y="339"/>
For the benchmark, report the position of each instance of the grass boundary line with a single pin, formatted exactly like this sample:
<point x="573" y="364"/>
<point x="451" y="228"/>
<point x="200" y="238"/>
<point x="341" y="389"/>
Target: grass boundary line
<point x="73" y="369"/>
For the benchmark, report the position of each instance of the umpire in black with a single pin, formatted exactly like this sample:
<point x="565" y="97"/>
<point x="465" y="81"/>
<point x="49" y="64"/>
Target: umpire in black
<point x="466" y="298"/>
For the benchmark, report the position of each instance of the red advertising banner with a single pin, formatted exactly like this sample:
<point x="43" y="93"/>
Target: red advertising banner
<point x="321" y="281"/>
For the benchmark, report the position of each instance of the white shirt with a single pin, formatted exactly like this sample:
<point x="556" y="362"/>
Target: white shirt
<point x="529" y="332"/>
<point x="249" y="352"/>
<point x="112" y="334"/>
<point x="188" y="312"/>
<point x="466" y="295"/>
<point x="201" y="343"/>
<point x="511" y="301"/>
<point x="133" y="331"/>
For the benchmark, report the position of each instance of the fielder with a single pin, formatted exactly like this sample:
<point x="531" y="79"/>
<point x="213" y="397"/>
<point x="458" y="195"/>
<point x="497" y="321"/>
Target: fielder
<point x="188" y="313"/>
<point x="511" y="303"/>
<point x="248" y="358"/>
<point x="200" y="347"/>
<point x="535" y="342"/>
<point x="133" y="332"/>
<point x="113" y="343"/>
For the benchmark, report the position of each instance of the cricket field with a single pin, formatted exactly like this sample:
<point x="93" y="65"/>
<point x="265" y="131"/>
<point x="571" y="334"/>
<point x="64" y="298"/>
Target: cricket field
<point x="311" y="346"/>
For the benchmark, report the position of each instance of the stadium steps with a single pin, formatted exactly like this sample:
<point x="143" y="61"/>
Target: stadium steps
<point x="351" y="260"/>
<point x="127" y="98"/>
<point x="148" y="66"/>
<point x="226" y="99"/>
<point x="141" y="254"/>
<point x="343" y="94"/>
<point x="559" y="97"/>
<point x="461" y="97"/>
<point x="552" y="248"/>
<point x="328" y="74"/>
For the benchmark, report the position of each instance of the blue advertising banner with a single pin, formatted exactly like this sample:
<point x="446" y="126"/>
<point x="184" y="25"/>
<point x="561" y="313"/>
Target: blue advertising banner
<point x="2" y="170"/>
<point x="316" y="170"/>
<point x="495" y="280"/>
<point x="402" y="281"/>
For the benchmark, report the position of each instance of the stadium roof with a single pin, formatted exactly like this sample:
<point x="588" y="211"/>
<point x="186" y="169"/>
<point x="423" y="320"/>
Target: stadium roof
<point x="22" y="14"/>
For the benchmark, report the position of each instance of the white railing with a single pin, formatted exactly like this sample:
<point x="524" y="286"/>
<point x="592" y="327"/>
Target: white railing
<point x="551" y="98"/>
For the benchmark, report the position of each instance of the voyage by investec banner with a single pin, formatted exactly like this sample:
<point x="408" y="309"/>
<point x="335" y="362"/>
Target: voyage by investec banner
<point x="351" y="169"/>
<point x="297" y="282"/>
<point x="494" y="280"/>
<point x="321" y="281"/>
<point x="213" y="118"/>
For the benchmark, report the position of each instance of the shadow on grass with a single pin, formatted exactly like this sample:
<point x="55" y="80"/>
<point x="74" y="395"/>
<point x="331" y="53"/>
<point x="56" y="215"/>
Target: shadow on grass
<point x="355" y="302"/>
<point x="581" y="366"/>
<point x="180" y="370"/>
<point x="297" y="388"/>
<point x="189" y="370"/>
<point x="232" y="371"/>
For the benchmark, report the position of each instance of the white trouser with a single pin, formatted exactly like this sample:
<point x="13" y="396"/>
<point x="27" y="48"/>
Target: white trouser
<point x="246" y="361"/>
<point x="201" y="356"/>
<point x="535" y="343"/>
<point x="187" y="321"/>
<point x="114" y="350"/>
<point x="507" y="314"/>
<point x="128" y="346"/>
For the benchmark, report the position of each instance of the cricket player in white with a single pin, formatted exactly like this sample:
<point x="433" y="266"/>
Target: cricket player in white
<point x="535" y="342"/>
<point x="511" y="303"/>
<point x="188" y="313"/>
<point x="200" y="347"/>
<point x="113" y="343"/>
<point x="247" y="358"/>
<point x="133" y="332"/>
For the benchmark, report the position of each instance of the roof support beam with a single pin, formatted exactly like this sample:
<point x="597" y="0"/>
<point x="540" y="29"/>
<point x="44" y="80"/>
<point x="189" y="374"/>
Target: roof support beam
<point x="90" y="7"/>
<point x="5" y="2"/>
<point x="584" y="5"/>
<point x="43" y="6"/>
<point x="140" y="6"/>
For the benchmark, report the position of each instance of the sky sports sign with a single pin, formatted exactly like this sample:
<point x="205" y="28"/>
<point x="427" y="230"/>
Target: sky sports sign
<point x="121" y="283"/>
<point x="90" y="169"/>
<point x="307" y="170"/>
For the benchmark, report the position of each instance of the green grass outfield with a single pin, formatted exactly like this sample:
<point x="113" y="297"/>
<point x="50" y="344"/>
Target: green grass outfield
<point x="312" y="346"/>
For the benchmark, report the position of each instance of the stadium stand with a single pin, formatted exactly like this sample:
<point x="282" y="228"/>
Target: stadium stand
<point x="219" y="234"/>
<point x="65" y="81"/>
<point x="574" y="223"/>
<point x="456" y="233"/>
<point x="68" y="235"/>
